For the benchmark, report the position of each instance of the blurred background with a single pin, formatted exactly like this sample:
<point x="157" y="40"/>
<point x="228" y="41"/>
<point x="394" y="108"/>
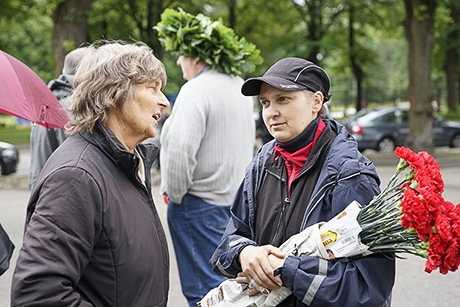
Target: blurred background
<point x="377" y="52"/>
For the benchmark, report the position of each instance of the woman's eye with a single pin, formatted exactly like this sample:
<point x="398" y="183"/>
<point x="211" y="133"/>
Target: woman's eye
<point x="264" y="103"/>
<point x="284" y="99"/>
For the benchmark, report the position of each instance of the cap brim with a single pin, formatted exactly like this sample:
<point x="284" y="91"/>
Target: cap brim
<point x="251" y="87"/>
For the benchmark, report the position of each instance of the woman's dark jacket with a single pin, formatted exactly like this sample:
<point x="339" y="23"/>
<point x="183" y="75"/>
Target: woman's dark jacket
<point x="345" y="175"/>
<point x="93" y="236"/>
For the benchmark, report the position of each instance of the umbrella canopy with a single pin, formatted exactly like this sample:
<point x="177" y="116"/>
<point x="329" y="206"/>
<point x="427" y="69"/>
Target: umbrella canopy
<point x="24" y="94"/>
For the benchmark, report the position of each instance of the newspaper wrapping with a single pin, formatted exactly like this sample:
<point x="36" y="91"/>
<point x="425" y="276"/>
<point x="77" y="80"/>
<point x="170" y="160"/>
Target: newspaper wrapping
<point x="336" y="239"/>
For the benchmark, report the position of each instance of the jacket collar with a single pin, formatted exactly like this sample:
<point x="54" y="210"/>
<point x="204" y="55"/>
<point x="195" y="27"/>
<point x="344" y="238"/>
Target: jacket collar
<point x="305" y="138"/>
<point x="103" y="138"/>
<point x="342" y="152"/>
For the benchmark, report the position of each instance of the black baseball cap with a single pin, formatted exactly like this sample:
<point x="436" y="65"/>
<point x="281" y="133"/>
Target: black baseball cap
<point x="291" y="74"/>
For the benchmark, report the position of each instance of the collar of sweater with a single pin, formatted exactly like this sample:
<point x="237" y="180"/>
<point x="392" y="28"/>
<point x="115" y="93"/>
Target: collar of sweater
<point x="294" y="160"/>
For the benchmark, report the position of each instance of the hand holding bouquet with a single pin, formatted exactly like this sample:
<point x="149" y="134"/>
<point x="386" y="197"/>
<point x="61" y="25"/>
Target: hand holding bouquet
<point x="408" y="216"/>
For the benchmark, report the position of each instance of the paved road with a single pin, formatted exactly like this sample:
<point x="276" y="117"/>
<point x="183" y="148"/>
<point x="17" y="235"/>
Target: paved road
<point x="413" y="286"/>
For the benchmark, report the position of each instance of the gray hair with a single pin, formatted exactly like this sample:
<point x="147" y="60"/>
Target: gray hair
<point x="72" y="59"/>
<point x="107" y="77"/>
<point x="322" y="112"/>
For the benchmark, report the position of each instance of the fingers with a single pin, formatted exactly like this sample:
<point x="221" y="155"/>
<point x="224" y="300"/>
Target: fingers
<point x="251" y="292"/>
<point x="255" y="288"/>
<point x="241" y="277"/>
<point x="256" y="265"/>
<point x="275" y="251"/>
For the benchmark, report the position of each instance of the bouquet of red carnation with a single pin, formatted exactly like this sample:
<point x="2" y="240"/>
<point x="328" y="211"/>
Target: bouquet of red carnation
<point x="408" y="216"/>
<point x="412" y="216"/>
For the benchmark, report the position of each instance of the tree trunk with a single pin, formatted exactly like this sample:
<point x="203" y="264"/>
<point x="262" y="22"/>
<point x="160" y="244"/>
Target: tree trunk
<point x="357" y="71"/>
<point x="451" y="76"/>
<point x="154" y="16"/>
<point x="312" y="14"/>
<point x="146" y="21"/>
<point x="232" y="13"/>
<point x="418" y="28"/>
<point x="315" y="29"/>
<point x="452" y="55"/>
<point x="70" y="29"/>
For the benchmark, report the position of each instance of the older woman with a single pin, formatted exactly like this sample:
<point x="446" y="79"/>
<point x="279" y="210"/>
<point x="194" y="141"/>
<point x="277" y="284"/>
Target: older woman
<point x="93" y="236"/>
<point x="308" y="174"/>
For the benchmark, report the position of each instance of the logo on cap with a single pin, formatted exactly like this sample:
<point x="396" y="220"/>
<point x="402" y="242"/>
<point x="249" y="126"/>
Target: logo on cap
<point x="289" y="85"/>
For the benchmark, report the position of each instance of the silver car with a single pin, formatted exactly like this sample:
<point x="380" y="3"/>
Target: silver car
<point x="386" y="128"/>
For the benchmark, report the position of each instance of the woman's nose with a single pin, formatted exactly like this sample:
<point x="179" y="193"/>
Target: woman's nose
<point x="164" y="102"/>
<point x="270" y="111"/>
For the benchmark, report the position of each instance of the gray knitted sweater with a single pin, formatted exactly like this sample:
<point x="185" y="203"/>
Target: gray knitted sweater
<point x="208" y="140"/>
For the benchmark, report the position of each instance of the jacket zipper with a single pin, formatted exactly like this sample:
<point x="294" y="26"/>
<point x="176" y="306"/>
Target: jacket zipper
<point x="287" y="199"/>
<point x="323" y="190"/>
<point x="283" y="202"/>
<point x="153" y="210"/>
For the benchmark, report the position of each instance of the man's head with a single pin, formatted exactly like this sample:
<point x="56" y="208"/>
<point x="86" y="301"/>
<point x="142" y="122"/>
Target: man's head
<point x="72" y="59"/>
<point x="190" y="67"/>
<point x="207" y="40"/>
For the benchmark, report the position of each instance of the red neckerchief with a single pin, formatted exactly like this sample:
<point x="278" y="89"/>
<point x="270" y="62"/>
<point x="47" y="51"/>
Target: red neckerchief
<point x="296" y="160"/>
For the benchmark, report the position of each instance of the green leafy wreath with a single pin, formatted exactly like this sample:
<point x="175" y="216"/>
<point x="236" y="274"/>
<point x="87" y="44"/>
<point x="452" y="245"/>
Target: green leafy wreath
<point x="209" y="41"/>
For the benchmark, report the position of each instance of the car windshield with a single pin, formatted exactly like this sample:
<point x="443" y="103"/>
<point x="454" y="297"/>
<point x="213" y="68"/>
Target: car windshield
<point x="370" y="116"/>
<point x="385" y="115"/>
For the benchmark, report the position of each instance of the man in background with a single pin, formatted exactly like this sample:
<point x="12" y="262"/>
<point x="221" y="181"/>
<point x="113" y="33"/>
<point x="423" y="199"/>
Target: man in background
<point x="206" y="144"/>
<point x="44" y="141"/>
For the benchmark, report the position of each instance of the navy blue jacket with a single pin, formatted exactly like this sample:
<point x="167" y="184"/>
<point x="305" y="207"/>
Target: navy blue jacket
<point x="346" y="175"/>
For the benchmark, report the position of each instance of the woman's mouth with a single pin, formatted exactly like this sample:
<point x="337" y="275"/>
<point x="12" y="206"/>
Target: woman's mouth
<point x="276" y="125"/>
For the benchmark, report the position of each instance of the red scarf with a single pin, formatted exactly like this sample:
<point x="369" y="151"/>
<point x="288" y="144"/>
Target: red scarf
<point x="296" y="160"/>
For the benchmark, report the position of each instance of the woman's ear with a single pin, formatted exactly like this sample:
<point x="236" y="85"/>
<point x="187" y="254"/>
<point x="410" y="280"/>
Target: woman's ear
<point x="318" y="99"/>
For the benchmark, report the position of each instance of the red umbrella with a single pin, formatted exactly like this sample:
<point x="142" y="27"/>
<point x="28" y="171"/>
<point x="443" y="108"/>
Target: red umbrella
<point x="24" y="94"/>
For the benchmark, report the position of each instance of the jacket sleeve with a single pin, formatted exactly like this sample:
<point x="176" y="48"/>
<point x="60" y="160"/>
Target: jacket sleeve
<point x="181" y="140"/>
<point x="365" y="281"/>
<point x="362" y="282"/>
<point x="42" y="144"/>
<point x="62" y="224"/>
<point x="224" y="261"/>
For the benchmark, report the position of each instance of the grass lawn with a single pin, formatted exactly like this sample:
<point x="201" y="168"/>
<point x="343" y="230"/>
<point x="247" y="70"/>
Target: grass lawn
<point x="12" y="132"/>
<point x="15" y="136"/>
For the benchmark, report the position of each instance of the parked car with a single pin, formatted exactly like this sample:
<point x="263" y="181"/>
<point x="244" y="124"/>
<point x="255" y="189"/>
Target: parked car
<point x="9" y="158"/>
<point x="386" y="128"/>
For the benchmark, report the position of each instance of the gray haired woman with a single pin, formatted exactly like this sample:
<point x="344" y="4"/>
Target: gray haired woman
<point x="93" y="236"/>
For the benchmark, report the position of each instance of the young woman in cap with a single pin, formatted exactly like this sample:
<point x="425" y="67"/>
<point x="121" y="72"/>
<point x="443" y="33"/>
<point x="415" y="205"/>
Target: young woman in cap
<point x="308" y="174"/>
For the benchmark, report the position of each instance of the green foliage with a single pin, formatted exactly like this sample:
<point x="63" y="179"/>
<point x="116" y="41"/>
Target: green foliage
<point x="29" y="40"/>
<point x="209" y="41"/>
<point x="108" y="19"/>
<point x="278" y="29"/>
<point x="7" y="121"/>
<point x="13" y="133"/>
<point x="449" y="115"/>
<point x="15" y="136"/>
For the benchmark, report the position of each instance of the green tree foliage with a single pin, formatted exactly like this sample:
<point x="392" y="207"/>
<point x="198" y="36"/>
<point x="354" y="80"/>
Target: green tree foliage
<point x="310" y="29"/>
<point x="25" y="33"/>
<point x="446" y="54"/>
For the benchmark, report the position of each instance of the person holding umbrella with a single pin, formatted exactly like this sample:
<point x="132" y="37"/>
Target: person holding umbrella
<point x="93" y="236"/>
<point x="43" y="141"/>
<point x="308" y="174"/>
